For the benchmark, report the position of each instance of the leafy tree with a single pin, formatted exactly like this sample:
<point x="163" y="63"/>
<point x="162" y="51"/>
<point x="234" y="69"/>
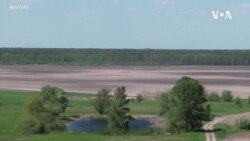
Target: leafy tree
<point x="139" y="98"/>
<point x="54" y="99"/>
<point x="44" y="111"/>
<point x="35" y="105"/>
<point x="186" y="106"/>
<point x="227" y="96"/>
<point x="102" y="101"/>
<point x="123" y="56"/>
<point x="164" y="103"/>
<point x="118" y="115"/>
<point x="237" y="101"/>
<point x="213" y="96"/>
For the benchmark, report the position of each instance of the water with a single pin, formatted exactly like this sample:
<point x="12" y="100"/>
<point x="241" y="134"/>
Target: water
<point x="95" y="125"/>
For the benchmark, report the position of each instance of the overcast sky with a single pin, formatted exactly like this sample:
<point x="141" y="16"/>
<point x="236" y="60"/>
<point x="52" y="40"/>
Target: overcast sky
<point x="164" y="24"/>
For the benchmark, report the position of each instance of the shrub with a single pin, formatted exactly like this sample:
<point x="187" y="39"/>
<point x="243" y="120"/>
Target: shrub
<point x="244" y="124"/>
<point x="249" y="100"/>
<point x="227" y="96"/>
<point x="213" y="96"/>
<point x="32" y="125"/>
<point x="44" y="111"/>
<point x="57" y="124"/>
<point x="132" y="100"/>
<point x="237" y="101"/>
<point x="139" y="98"/>
<point x="34" y="105"/>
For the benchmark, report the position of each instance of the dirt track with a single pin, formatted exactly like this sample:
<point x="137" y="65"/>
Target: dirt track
<point x="136" y="79"/>
<point x="230" y="119"/>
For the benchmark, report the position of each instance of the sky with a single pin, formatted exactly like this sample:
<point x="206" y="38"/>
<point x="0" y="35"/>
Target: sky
<point x="155" y="24"/>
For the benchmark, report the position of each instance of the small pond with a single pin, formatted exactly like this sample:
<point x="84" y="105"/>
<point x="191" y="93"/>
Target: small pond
<point x="95" y="125"/>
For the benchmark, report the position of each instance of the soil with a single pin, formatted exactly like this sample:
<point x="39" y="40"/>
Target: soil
<point x="149" y="80"/>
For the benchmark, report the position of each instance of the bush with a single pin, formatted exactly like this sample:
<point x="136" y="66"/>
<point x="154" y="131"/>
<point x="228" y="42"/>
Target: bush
<point x="249" y="100"/>
<point x="244" y="124"/>
<point x="32" y="125"/>
<point x="227" y="96"/>
<point x="57" y="124"/>
<point x="44" y="111"/>
<point x="35" y="105"/>
<point x="213" y="96"/>
<point x="139" y="98"/>
<point x="132" y="100"/>
<point x="237" y="101"/>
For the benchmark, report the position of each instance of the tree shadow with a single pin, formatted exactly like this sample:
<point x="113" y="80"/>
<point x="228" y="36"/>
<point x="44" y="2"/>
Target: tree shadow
<point x="209" y="131"/>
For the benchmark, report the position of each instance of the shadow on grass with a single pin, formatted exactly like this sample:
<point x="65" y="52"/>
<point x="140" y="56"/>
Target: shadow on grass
<point x="209" y="131"/>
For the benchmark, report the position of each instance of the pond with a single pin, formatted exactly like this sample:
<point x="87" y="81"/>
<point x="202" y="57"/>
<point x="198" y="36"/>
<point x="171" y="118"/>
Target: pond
<point x="95" y="125"/>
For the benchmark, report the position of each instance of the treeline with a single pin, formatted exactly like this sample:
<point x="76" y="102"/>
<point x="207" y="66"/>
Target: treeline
<point x="123" y="56"/>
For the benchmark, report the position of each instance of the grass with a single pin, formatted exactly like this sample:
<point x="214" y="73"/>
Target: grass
<point x="11" y="113"/>
<point x="228" y="108"/>
<point x="226" y="131"/>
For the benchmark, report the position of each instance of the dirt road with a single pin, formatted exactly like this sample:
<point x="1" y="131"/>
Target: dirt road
<point x="230" y="119"/>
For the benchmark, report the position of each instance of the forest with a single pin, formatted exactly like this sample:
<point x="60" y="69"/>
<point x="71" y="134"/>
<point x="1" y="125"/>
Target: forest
<point x="143" y="57"/>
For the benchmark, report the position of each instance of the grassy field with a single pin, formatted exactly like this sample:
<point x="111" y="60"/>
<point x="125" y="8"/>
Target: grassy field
<point x="11" y="113"/>
<point x="227" y="130"/>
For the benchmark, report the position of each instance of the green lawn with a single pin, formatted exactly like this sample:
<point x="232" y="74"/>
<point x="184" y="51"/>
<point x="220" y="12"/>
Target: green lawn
<point x="11" y="114"/>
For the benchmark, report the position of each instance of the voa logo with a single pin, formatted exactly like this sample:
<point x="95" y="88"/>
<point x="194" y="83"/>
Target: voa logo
<point x="222" y="15"/>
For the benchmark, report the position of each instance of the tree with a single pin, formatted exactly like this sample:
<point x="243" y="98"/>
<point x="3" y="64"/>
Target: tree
<point x="237" y="101"/>
<point x="227" y="96"/>
<point x="164" y="103"/>
<point x="139" y="98"/>
<point x="213" y="96"/>
<point x="44" y="111"/>
<point x="35" y="105"/>
<point x="118" y="115"/>
<point x="208" y="112"/>
<point x="102" y="101"/>
<point x="54" y="99"/>
<point x="186" y="106"/>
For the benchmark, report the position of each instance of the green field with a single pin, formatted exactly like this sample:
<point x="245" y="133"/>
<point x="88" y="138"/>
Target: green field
<point x="11" y="113"/>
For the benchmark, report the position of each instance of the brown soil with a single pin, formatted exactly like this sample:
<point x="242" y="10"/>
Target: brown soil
<point x="137" y="79"/>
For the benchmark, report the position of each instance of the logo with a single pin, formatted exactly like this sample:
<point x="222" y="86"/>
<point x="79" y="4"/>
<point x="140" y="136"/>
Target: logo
<point x="19" y="7"/>
<point x="226" y="15"/>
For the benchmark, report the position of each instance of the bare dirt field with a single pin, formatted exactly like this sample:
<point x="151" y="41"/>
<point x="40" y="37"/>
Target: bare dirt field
<point x="137" y="79"/>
